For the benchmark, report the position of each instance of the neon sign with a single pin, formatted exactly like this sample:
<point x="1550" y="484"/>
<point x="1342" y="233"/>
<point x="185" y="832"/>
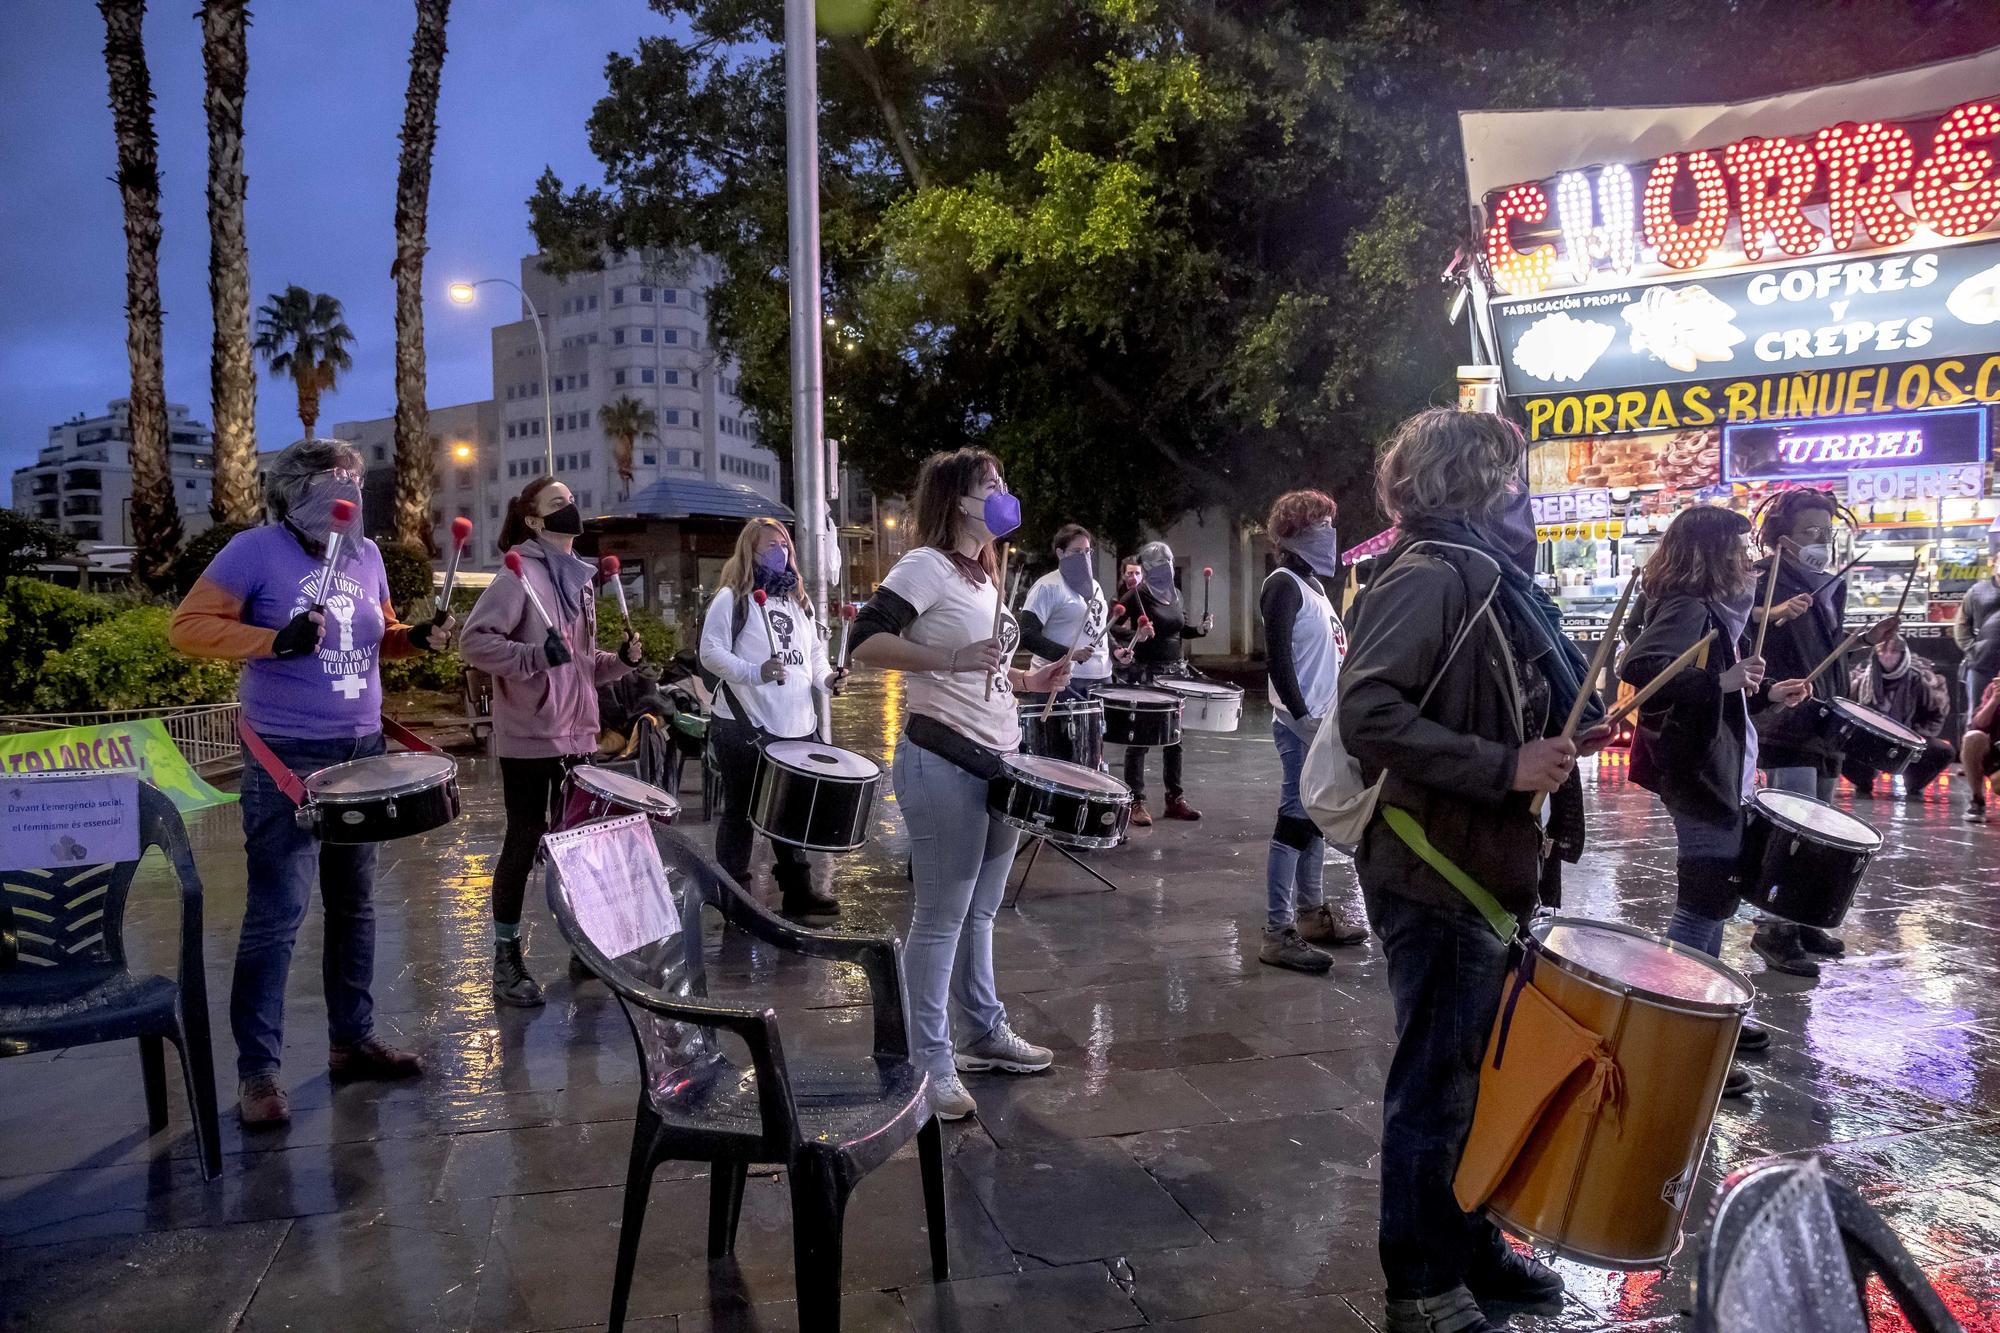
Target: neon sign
<point x="1838" y="446"/>
<point x="1862" y="183"/>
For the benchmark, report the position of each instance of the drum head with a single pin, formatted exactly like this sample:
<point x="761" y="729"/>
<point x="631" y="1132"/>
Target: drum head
<point x="396" y="774"/>
<point x="623" y="789"/>
<point x="1877" y="721"/>
<point x="821" y="761"/>
<point x="1201" y="689"/>
<point x="1125" y="696"/>
<point x="1047" y="772"/>
<point x="1637" y="961"/>
<point x="1030" y="709"/>
<point x="1803" y="814"/>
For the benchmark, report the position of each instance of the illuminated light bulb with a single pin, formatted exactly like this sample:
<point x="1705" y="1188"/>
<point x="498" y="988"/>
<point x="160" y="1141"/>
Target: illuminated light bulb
<point x="1618" y="242"/>
<point x="1773" y="176"/>
<point x="1522" y="274"/>
<point x="1573" y="209"/>
<point x="1955" y="191"/>
<point x="1691" y="245"/>
<point x="1846" y="150"/>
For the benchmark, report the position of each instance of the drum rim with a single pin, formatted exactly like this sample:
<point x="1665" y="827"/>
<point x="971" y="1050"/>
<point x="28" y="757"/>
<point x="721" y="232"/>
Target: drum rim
<point x="1793" y="827"/>
<point x="1187" y="687"/>
<point x="1060" y="838"/>
<point x="777" y="761"/>
<point x="1534" y="941"/>
<point x="1163" y="701"/>
<point x="1028" y="779"/>
<point x="1091" y="707"/>
<point x="318" y="797"/>
<point x="812" y="846"/>
<point x="581" y="772"/>
<point x="1848" y="709"/>
<point x="1579" y="1254"/>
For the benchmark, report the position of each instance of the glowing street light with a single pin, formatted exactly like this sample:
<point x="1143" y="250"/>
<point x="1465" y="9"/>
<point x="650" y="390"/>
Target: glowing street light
<point x="464" y="293"/>
<point x="462" y="451"/>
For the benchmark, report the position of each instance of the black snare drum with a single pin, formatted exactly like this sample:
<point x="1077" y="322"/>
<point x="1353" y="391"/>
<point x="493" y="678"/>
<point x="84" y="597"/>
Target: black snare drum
<point x="819" y="797"/>
<point x="1140" y="717"/>
<point x="381" y="797"/>
<point x="1869" y="737"/>
<point x="1073" y="731"/>
<point x="1803" y="859"/>
<point x="591" y="793"/>
<point x="1065" y="803"/>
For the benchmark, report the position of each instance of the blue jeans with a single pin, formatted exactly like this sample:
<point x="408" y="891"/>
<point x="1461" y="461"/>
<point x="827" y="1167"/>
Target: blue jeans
<point x="1445" y="972"/>
<point x="1709" y="853"/>
<point x="1295" y="871"/>
<point x="284" y="862"/>
<point x="959" y="859"/>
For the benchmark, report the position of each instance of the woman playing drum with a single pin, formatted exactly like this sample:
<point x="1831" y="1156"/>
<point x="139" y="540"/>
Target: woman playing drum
<point x="534" y="630"/>
<point x="312" y="692"/>
<point x="767" y="661"/>
<point x="933" y="618"/>
<point x="1154" y="626"/>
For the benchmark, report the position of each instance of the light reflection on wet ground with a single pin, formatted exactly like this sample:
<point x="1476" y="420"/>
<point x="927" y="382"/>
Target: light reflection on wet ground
<point x="1206" y="1146"/>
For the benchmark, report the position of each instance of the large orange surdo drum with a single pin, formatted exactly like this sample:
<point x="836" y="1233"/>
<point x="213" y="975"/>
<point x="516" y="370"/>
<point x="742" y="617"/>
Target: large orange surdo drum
<point x="1598" y="1090"/>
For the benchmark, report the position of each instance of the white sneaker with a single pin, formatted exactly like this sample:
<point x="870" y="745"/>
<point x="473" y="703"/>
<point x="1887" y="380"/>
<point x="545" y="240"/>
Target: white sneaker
<point x="1003" y="1048"/>
<point x="949" y="1099"/>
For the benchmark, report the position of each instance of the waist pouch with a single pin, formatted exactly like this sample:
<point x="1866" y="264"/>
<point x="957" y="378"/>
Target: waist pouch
<point x="961" y="751"/>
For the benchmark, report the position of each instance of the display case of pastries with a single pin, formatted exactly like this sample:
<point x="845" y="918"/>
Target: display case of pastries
<point x="1876" y="580"/>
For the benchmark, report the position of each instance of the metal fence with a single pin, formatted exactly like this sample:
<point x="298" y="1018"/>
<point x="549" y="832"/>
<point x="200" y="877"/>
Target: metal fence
<point x="204" y="734"/>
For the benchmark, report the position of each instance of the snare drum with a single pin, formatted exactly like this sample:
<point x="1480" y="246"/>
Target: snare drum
<point x="1073" y="731"/>
<point x="1140" y="717"/>
<point x="1869" y="737"/>
<point x="1607" y="1182"/>
<point x="818" y="797"/>
<point x="1065" y="803"/>
<point x="381" y="797"/>
<point x="1206" y="705"/>
<point x="1803" y="859"/>
<point x="591" y="793"/>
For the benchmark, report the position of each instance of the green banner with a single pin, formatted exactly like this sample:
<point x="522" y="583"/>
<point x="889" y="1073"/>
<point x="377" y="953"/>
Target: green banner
<point x="143" y="745"/>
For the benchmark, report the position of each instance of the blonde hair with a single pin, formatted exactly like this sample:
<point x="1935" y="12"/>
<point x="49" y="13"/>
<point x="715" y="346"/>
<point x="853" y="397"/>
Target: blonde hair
<point x="739" y="572"/>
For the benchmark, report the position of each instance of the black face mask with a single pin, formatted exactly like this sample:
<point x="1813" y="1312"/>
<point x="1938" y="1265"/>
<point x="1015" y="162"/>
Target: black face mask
<point x="567" y="521"/>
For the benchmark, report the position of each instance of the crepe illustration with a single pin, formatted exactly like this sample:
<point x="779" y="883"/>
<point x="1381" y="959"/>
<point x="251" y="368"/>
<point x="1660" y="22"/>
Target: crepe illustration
<point x="1977" y="299"/>
<point x="1560" y="347"/>
<point x="1684" y="327"/>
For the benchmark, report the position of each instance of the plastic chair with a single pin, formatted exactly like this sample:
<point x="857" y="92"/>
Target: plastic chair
<point x="64" y="979"/>
<point x="1790" y="1250"/>
<point x="828" y="1121"/>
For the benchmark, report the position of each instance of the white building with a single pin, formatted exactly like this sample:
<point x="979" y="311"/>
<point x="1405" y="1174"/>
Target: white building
<point x="82" y="480"/>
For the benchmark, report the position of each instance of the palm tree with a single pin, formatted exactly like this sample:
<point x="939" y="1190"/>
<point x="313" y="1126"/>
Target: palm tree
<point x="156" y="519"/>
<point x="624" y="421"/>
<point x="305" y="335"/>
<point x="416" y="465"/>
<point x="232" y="374"/>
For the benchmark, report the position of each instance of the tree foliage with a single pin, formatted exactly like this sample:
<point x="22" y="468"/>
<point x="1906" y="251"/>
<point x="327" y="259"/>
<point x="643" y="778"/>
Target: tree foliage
<point x="26" y="541"/>
<point x="416" y="451"/>
<point x="304" y="335"/>
<point x="1152" y="252"/>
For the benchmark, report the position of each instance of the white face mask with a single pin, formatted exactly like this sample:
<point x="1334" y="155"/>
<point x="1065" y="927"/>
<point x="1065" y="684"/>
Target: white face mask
<point x="1816" y="557"/>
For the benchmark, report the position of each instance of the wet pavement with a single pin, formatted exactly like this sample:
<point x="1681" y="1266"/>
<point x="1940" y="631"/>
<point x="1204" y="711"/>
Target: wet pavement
<point x="1203" y="1156"/>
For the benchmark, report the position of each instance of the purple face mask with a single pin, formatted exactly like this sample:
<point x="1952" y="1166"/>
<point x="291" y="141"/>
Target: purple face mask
<point x="1000" y="512"/>
<point x="774" y="559"/>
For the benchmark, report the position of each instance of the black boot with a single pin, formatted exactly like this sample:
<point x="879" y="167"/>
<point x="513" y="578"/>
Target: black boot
<point x="511" y="982"/>
<point x="1777" y="943"/>
<point x="799" y="896"/>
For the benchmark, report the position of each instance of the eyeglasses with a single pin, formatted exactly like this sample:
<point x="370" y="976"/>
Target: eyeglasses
<point x="325" y="475"/>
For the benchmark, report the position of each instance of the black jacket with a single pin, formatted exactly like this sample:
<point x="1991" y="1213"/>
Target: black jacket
<point x="1689" y="740"/>
<point x="1789" y="737"/>
<point x="1172" y="624"/>
<point x="1452" y="764"/>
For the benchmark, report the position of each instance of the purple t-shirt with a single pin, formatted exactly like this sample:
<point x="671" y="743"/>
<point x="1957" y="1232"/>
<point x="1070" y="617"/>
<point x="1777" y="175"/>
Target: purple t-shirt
<point x="335" y="694"/>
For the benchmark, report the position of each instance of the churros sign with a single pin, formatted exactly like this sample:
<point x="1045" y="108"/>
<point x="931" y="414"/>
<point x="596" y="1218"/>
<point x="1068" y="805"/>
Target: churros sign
<point x="1943" y="382"/>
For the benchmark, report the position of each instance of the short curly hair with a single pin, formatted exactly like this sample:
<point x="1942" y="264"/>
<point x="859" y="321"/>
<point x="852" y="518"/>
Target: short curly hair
<point x="1295" y="511"/>
<point x="1445" y="463"/>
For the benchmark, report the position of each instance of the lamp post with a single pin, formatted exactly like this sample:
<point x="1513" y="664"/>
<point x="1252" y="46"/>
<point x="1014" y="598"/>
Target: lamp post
<point x="464" y="293"/>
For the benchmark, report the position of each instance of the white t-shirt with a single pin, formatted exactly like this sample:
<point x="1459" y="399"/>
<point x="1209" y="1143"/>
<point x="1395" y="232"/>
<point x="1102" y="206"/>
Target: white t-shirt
<point x="1062" y="612"/>
<point x="952" y="613"/>
<point x="786" y="709"/>
<point x="1319" y="643"/>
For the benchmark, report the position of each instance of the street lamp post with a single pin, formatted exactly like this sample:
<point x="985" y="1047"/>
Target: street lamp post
<point x="464" y="293"/>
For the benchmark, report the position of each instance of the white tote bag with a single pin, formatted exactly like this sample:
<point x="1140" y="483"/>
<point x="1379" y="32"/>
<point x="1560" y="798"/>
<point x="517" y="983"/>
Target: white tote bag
<point x="1330" y="784"/>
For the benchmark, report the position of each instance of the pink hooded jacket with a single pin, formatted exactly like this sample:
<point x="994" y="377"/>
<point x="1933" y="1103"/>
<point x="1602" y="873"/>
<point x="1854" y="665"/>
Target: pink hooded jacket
<point x="539" y="711"/>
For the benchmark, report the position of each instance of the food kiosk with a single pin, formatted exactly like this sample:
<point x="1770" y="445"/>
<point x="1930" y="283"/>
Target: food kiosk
<point x="1705" y="304"/>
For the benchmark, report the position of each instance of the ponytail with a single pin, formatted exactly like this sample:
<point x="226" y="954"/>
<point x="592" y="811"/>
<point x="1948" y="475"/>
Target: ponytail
<point x="514" y="528"/>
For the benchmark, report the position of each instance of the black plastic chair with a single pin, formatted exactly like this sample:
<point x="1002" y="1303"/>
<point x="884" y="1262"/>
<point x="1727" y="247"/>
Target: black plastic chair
<point x="828" y="1121"/>
<point x="1805" y="1231"/>
<point x="64" y="980"/>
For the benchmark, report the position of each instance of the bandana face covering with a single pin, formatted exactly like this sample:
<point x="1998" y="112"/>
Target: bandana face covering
<point x="1160" y="582"/>
<point x="1318" y="546"/>
<point x="313" y="514"/>
<point x="1511" y="529"/>
<point x="1076" y="573"/>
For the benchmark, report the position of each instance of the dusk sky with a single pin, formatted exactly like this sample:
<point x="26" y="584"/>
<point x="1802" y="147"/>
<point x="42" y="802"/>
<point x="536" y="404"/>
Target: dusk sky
<point x="325" y="105"/>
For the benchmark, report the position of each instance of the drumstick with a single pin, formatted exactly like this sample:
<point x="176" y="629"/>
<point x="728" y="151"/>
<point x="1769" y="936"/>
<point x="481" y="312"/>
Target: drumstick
<point x="1770" y="592"/>
<point x="765" y="615"/>
<point x="461" y="532"/>
<point x="343" y="519"/>
<point x="1901" y="601"/>
<point x="1653" y="686"/>
<point x="848" y="611"/>
<point x="1050" y="702"/>
<point x="1207" y="578"/>
<point x="1838" y="653"/>
<point x="607" y="572"/>
<point x="1598" y="660"/>
<point x="999" y="608"/>
<point x="534" y="600"/>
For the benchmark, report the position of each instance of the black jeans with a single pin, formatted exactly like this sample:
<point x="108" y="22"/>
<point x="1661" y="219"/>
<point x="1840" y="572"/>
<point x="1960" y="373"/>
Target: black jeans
<point x="736" y="761"/>
<point x="1135" y="770"/>
<point x="1923" y="770"/>
<point x="1445" y="971"/>
<point x="528" y="787"/>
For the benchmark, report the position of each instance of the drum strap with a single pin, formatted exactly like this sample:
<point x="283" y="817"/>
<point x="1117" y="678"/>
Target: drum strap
<point x="1412" y="833"/>
<point x="288" y="781"/>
